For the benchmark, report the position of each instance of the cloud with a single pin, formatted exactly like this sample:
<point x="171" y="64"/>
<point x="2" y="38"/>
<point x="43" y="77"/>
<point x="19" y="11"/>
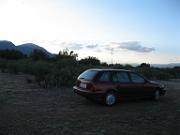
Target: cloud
<point x="72" y="45"/>
<point x="92" y="46"/>
<point x="98" y="50"/>
<point x="78" y="46"/>
<point x="116" y="46"/>
<point x="133" y="46"/>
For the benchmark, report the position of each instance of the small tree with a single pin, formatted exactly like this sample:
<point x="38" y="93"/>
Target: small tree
<point x="90" y="61"/>
<point x="144" y="65"/>
<point x="65" y="54"/>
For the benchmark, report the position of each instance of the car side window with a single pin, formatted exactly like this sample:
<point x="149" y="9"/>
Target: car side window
<point x="120" y="77"/>
<point x="136" y="78"/>
<point x="105" y="77"/>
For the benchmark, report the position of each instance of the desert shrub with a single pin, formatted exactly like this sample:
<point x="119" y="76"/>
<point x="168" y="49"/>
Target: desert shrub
<point x="3" y="65"/>
<point x="175" y="72"/>
<point x="16" y="66"/>
<point x="11" y="54"/>
<point x="156" y="73"/>
<point x="64" y="73"/>
<point x="117" y="66"/>
<point x="128" y="67"/>
<point x="145" y="71"/>
<point x="65" y="68"/>
<point x="163" y="76"/>
<point x="13" y="67"/>
<point x="38" y="55"/>
<point x="90" y="61"/>
<point x="40" y="70"/>
<point x="66" y="54"/>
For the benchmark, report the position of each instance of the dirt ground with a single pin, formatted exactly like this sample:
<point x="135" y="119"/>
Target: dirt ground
<point x="26" y="109"/>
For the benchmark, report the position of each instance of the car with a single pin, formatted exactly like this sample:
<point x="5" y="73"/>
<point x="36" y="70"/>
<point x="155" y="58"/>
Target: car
<point x="111" y="85"/>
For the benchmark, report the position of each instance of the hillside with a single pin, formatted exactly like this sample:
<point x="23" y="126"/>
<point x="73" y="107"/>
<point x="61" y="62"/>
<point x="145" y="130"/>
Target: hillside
<point x="26" y="49"/>
<point x="6" y="45"/>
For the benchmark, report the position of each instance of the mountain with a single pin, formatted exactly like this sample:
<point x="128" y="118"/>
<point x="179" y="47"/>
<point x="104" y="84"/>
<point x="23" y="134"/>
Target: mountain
<point x="4" y="44"/>
<point x="170" y="65"/>
<point x="26" y="49"/>
<point x="174" y="65"/>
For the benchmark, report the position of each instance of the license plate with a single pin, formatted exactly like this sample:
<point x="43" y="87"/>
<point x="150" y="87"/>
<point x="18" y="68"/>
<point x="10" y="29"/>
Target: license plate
<point x="83" y="85"/>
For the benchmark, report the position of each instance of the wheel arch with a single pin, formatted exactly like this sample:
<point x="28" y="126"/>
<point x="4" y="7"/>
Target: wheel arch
<point x="111" y="90"/>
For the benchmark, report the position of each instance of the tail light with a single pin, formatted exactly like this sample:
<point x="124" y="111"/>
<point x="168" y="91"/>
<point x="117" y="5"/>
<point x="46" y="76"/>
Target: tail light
<point x="85" y="85"/>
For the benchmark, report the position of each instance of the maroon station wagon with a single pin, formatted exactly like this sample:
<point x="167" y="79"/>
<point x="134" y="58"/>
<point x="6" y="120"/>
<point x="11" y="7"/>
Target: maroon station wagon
<point x="110" y="85"/>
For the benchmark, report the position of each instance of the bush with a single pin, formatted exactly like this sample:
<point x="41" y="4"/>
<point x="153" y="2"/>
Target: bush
<point x="64" y="68"/>
<point x="40" y="70"/>
<point x="39" y="55"/>
<point x="3" y="65"/>
<point x="90" y="61"/>
<point x="11" y="54"/>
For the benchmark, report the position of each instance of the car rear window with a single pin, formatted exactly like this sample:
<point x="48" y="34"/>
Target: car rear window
<point x="88" y="75"/>
<point x="105" y="77"/>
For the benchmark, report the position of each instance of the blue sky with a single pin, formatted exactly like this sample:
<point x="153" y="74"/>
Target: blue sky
<point x="137" y="30"/>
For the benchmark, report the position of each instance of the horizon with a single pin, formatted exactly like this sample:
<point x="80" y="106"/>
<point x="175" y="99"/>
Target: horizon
<point x="122" y="30"/>
<point x="132" y="64"/>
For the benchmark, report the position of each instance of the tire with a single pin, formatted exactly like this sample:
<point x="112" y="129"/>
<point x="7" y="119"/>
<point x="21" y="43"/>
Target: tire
<point x="110" y="99"/>
<point x="156" y="95"/>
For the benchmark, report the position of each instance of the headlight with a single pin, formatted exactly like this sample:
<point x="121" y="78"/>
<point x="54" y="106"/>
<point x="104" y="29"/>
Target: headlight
<point x="162" y="86"/>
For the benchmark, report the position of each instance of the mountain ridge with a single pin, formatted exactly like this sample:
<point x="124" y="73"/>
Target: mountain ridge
<point x="26" y="48"/>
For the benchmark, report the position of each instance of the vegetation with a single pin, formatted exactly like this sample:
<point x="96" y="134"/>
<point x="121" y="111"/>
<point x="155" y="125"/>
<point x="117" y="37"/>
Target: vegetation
<point x="64" y="68"/>
<point x="38" y="55"/>
<point x="11" y="54"/>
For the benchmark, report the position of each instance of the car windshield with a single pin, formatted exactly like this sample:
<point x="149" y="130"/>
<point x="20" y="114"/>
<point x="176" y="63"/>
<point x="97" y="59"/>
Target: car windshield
<point x="88" y="75"/>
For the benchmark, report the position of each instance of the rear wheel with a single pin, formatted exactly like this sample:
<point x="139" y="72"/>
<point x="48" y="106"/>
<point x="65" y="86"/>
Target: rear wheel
<point x="110" y="98"/>
<point x="156" y="95"/>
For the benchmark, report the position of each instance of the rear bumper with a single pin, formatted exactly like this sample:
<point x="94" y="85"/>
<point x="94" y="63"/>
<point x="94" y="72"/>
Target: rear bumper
<point x="88" y="94"/>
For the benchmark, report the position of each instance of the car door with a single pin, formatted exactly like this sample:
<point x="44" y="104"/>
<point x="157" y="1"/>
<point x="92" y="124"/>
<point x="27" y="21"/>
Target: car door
<point x="122" y="82"/>
<point x="104" y="82"/>
<point x="139" y="85"/>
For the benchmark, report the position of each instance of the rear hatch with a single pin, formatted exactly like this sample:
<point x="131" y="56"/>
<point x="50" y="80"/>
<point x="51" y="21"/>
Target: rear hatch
<point x="83" y="84"/>
<point x="85" y="80"/>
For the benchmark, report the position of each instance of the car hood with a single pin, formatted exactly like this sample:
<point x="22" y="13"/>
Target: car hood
<point x="157" y="84"/>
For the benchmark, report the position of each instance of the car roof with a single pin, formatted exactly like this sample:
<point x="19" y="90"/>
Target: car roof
<point x="110" y="69"/>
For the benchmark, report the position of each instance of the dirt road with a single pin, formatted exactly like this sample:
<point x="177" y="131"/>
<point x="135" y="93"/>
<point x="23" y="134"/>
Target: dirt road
<point x="26" y="109"/>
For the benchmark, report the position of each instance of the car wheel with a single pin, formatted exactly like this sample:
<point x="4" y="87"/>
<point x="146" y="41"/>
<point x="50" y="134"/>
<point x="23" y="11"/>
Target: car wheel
<point x="156" y="95"/>
<point x="110" y="98"/>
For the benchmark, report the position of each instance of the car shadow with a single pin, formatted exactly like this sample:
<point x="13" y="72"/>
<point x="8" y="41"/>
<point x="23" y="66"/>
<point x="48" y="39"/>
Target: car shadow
<point x="88" y="102"/>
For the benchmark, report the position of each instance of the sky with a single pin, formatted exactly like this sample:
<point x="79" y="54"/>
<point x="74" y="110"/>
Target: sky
<point x="115" y="31"/>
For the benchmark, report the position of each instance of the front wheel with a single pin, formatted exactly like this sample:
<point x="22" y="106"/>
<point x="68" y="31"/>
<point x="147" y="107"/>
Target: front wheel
<point x="110" y="98"/>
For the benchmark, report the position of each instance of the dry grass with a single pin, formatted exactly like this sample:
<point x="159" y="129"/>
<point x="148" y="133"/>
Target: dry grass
<point x="30" y="110"/>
